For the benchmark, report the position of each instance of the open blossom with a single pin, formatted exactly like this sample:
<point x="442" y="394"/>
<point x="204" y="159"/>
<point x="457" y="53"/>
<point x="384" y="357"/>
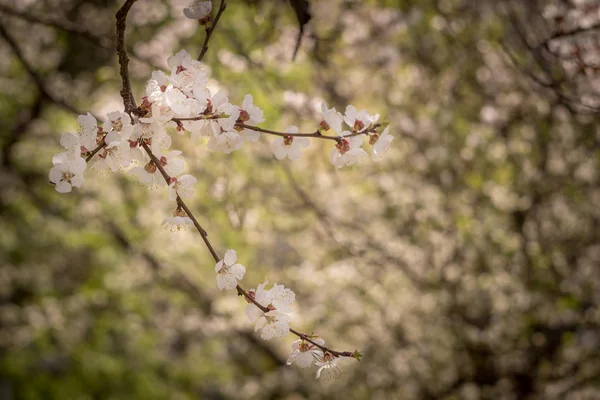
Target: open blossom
<point x="115" y="155"/>
<point x="347" y="151"/>
<point x="380" y="143"/>
<point x="305" y="353"/>
<point x="228" y="114"/>
<point x="70" y="142"/>
<point x="278" y="301"/>
<point x="179" y="221"/>
<point x="157" y="86"/>
<point x="289" y="146"/>
<point x="119" y="122"/>
<point x="147" y="128"/>
<point x="252" y="115"/>
<point x="274" y="325"/>
<point x="182" y="186"/>
<point x="88" y="131"/>
<point x="328" y="367"/>
<point x="228" y="272"/>
<point x="150" y="175"/>
<point x="226" y="142"/>
<point x="331" y="118"/>
<point x="187" y="74"/>
<point x="200" y="11"/>
<point x="357" y="121"/>
<point x="66" y="173"/>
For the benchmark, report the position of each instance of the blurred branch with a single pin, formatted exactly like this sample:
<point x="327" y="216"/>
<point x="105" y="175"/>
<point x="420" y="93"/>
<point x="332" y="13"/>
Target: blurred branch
<point x="25" y="119"/>
<point x="324" y="218"/>
<point x="63" y="24"/>
<point x="302" y="11"/>
<point x="211" y="29"/>
<point x="37" y="79"/>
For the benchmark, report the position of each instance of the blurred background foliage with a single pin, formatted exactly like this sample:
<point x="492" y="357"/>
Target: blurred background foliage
<point x="465" y="265"/>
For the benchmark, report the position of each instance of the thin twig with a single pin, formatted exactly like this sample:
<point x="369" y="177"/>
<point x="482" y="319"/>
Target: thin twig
<point x="241" y="291"/>
<point x="315" y="134"/>
<point x="209" y="31"/>
<point x="126" y="93"/>
<point x="97" y="149"/>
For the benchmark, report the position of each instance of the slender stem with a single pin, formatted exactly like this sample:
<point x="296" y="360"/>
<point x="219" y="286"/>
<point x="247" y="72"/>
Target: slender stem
<point x="211" y="29"/>
<point x="241" y="291"/>
<point x="126" y="93"/>
<point x="97" y="149"/>
<point x="130" y="107"/>
<point x="181" y="203"/>
<point x="316" y="134"/>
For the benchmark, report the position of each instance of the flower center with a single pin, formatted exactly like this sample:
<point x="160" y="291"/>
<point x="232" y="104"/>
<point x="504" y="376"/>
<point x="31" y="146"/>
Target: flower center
<point x="117" y="125"/>
<point x="288" y="140"/>
<point x="343" y="146"/>
<point x="244" y="116"/>
<point x="373" y="138"/>
<point x="67" y="176"/>
<point x="150" y="167"/>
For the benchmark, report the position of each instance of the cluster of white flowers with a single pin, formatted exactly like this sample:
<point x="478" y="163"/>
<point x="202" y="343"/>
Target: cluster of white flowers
<point x="273" y="319"/>
<point x="139" y="143"/>
<point x="183" y="98"/>
<point x="306" y="354"/>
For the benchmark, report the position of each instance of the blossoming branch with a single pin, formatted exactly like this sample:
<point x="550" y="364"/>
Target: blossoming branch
<point x="138" y="142"/>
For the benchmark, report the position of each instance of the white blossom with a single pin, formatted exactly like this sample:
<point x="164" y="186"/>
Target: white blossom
<point x="347" y="152"/>
<point x="147" y="128"/>
<point x="289" y="146"/>
<point x="70" y="142"/>
<point x="228" y="272"/>
<point x="182" y="186"/>
<point x="88" y="131"/>
<point x="66" y="173"/>
<point x="115" y="155"/>
<point x="226" y="142"/>
<point x="304" y="353"/>
<point x="281" y="298"/>
<point x="150" y="175"/>
<point x="381" y="143"/>
<point x="157" y="86"/>
<point x="187" y="74"/>
<point x="274" y="324"/>
<point x="120" y="122"/>
<point x="278" y="301"/>
<point x="251" y="115"/>
<point x="331" y="118"/>
<point x="179" y="221"/>
<point x="181" y="104"/>
<point x="328" y="367"/>
<point x="200" y="10"/>
<point x="357" y="121"/>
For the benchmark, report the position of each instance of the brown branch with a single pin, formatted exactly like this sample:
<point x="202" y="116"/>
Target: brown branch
<point x="126" y="93"/>
<point x="241" y="291"/>
<point x="97" y="149"/>
<point x="315" y="134"/>
<point x="181" y="203"/>
<point x="211" y="29"/>
<point x="564" y="34"/>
